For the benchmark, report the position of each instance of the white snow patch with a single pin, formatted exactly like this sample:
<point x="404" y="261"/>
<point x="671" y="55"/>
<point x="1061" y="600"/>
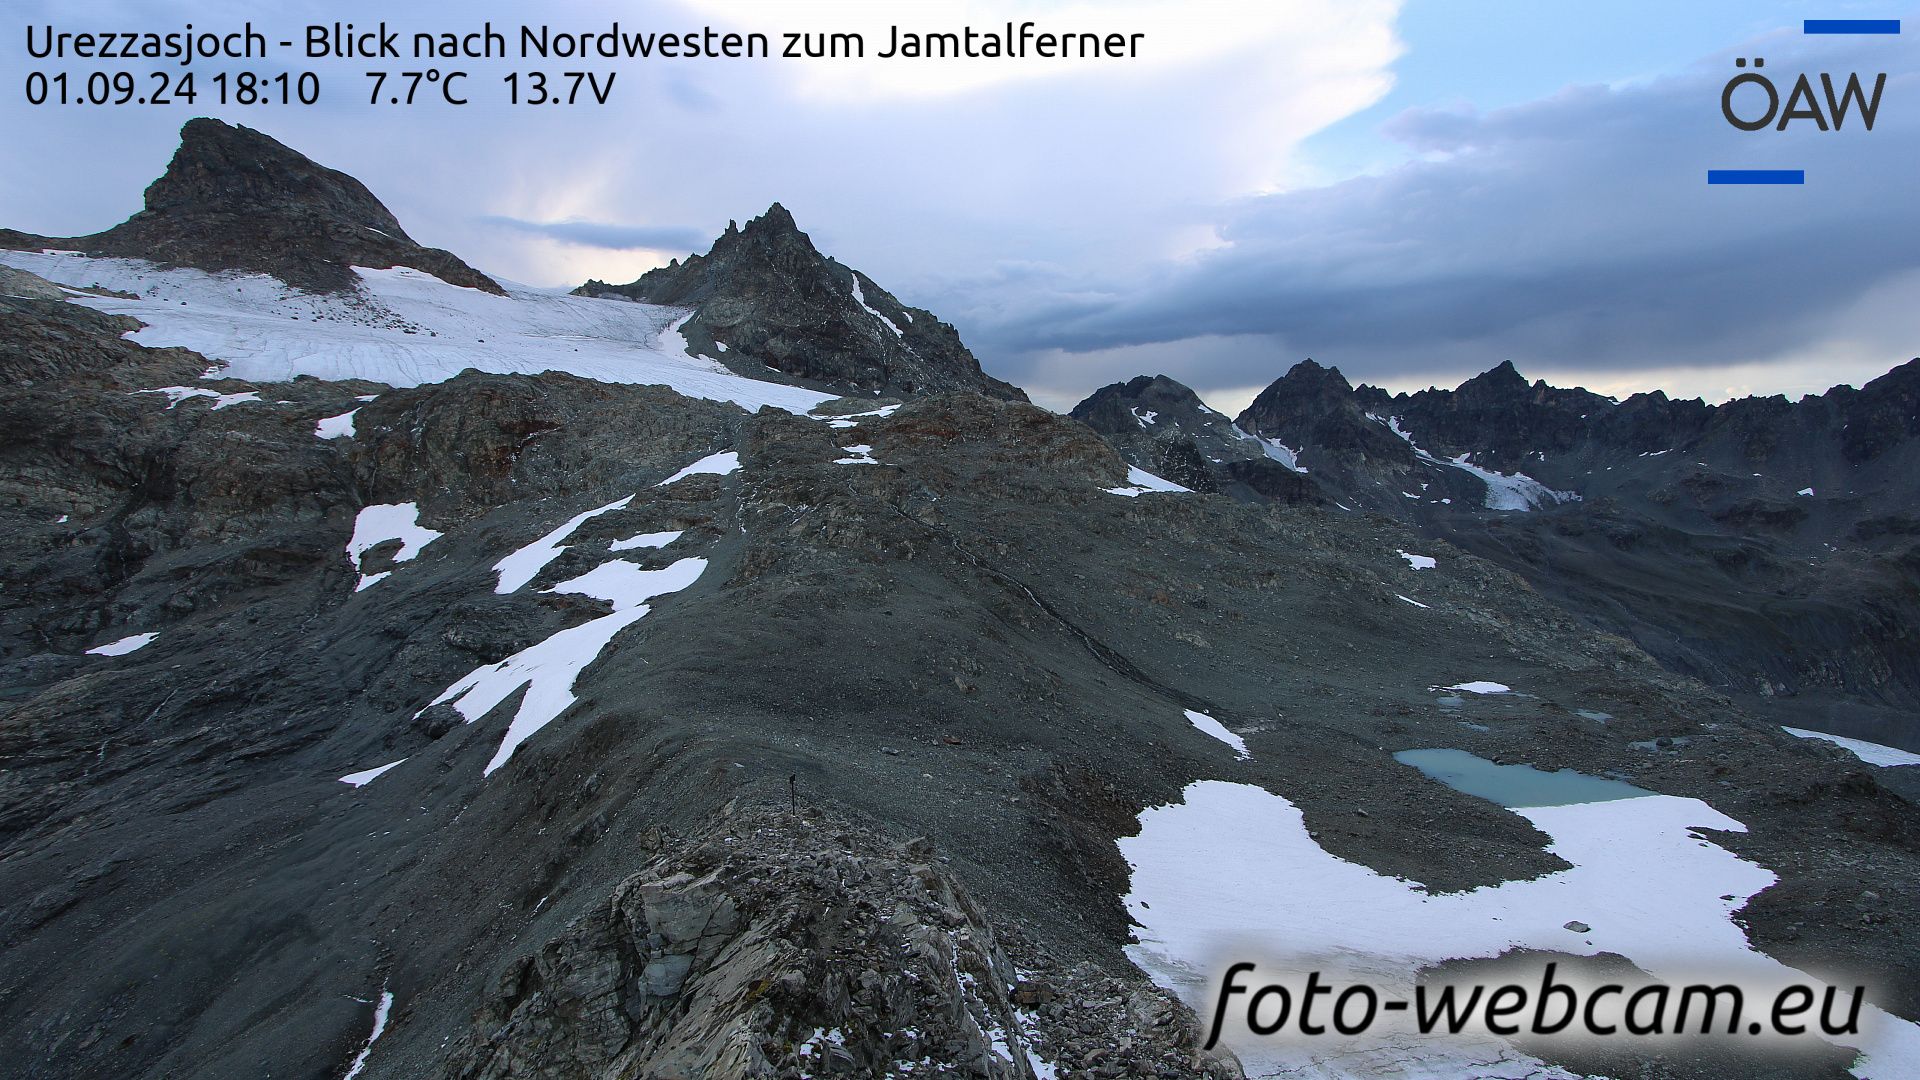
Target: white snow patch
<point x="1218" y="730"/>
<point x="1514" y="491"/>
<point x="820" y="1036"/>
<point x="1273" y="448"/>
<point x="860" y="297"/>
<point x="1029" y="1035"/>
<point x="857" y="455"/>
<point x="1419" y="562"/>
<point x="124" y="646"/>
<point x="362" y="779"/>
<point x="380" y="1013"/>
<point x="405" y="328"/>
<point x="1870" y="752"/>
<point x="178" y="394"/>
<point x="380" y="523"/>
<point x="1216" y="874"/>
<point x="1806" y="491"/>
<point x="717" y="464"/>
<point x="853" y="419"/>
<point x="1282" y="453"/>
<point x="1505" y="491"/>
<point x="335" y="427"/>
<point x="521" y="567"/>
<point x="1143" y="482"/>
<point x="645" y="540"/>
<point x="548" y="669"/>
<point x="1143" y="419"/>
<point x="1479" y="687"/>
<point x="1414" y="602"/>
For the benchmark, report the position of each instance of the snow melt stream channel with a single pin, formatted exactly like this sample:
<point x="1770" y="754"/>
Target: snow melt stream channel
<point x="1230" y="873"/>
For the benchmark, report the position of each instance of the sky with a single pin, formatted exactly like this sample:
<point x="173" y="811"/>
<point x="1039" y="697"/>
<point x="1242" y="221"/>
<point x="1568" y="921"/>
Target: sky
<point x="1410" y="190"/>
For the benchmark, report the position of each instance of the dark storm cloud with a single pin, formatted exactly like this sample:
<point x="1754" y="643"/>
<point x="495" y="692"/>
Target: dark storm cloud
<point x="597" y="234"/>
<point x="1576" y="230"/>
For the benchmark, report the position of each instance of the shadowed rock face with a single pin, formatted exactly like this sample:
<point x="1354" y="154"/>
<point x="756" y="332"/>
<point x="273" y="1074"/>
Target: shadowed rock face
<point x="235" y="199"/>
<point x="764" y="297"/>
<point x="724" y="959"/>
<point x="1691" y="536"/>
<point x="973" y="642"/>
<point x="1162" y="426"/>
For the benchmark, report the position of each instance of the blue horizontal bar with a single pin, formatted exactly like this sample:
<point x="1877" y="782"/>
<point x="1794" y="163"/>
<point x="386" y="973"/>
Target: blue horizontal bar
<point x="1756" y="176"/>
<point x="1851" y="26"/>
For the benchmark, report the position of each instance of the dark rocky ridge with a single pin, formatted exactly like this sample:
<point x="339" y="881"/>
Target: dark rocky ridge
<point x="723" y="958"/>
<point x="765" y="295"/>
<point x="1690" y="536"/>
<point x="199" y="896"/>
<point x="1162" y="426"/>
<point x="233" y="198"/>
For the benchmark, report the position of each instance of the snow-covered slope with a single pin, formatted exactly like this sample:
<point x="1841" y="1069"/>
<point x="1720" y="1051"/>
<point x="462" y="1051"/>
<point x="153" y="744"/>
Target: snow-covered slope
<point x="1215" y="874"/>
<point x="404" y="328"/>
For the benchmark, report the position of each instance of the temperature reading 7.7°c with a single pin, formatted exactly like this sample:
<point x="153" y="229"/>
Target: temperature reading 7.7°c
<point x="523" y="87"/>
<point x="406" y="87"/>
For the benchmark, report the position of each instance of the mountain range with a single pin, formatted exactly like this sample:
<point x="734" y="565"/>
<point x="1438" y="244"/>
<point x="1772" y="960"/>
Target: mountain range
<point x="408" y="673"/>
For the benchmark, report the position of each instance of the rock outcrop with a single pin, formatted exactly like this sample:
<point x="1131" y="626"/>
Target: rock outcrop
<point x="765" y="296"/>
<point x="1164" y="428"/>
<point x="233" y="198"/>
<point x="782" y="944"/>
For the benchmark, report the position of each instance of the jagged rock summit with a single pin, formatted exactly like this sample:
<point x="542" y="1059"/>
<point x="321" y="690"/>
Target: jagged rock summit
<point x="1161" y="425"/>
<point x="233" y="198"/>
<point x="764" y="295"/>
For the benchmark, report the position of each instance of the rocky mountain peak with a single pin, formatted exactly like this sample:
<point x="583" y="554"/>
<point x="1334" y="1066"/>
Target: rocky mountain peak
<point x="223" y="168"/>
<point x="777" y="220"/>
<point x="764" y="296"/>
<point x="1308" y="374"/>
<point x="233" y="198"/>
<point x="1145" y="401"/>
<point x="1159" y="390"/>
<point x="1161" y="425"/>
<point x="1503" y="378"/>
<point x="1308" y="392"/>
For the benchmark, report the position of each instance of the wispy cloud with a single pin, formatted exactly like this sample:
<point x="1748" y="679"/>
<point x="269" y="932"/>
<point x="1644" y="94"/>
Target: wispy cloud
<point x="612" y="237"/>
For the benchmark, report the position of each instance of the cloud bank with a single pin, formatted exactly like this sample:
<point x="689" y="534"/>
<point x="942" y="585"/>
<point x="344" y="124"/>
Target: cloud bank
<point x="1575" y="234"/>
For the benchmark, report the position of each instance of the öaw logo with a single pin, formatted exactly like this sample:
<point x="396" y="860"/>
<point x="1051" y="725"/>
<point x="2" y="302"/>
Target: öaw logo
<point x="1802" y="104"/>
<point x="1752" y="101"/>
